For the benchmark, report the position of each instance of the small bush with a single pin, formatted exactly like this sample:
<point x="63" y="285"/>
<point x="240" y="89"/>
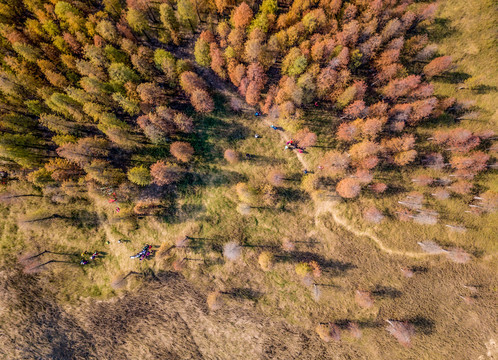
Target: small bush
<point x="303" y="269"/>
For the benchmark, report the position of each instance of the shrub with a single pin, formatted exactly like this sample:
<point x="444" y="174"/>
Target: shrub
<point x="231" y="156"/>
<point x="232" y="251"/>
<point x="214" y="300"/>
<point x="364" y="299"/>
<point x="402" y="331"/>
<point x="276" y="177"/>
<point x="303" y="269"/>
<point x="328" y="332"/>
<point x="266" y="260"/>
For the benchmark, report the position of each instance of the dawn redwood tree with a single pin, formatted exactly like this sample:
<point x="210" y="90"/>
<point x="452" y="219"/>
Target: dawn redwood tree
<point x="347" y="132"/>
<point x="236" y="73"/>
<point x="357" y="109"/>
<point x="348" y="188"/>
<point x="373" y="215"/>
<point x="242" y="16"/>
<point x="276" y="177"/>
<point x="437" y="66"/>
<point x="217" y="60"/>
<point x="364" y="176"/>
<point x="151" y="93"/>
<point x="305" y="138"/>
<point x="139" y="175"/>
<point x="164" y="173"/>
<point x="190" y="81"/>
<point x="85" y="150"/>
<point x="182" y="151"/>
<point x="378" y="188"/>
<point x="335" y="162"/>
<point x="202" y="52"/>
<point x="202" y="101"/>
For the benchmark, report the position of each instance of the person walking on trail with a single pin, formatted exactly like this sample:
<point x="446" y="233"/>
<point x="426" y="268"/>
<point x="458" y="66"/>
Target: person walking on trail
<point x="273" y="127"/>
<point x="83" y="262"/>
<point x="257" y="114"/>
<point x="94" y="255"/>
<point x="118" y="209"/>
<point x="305" y="171"/>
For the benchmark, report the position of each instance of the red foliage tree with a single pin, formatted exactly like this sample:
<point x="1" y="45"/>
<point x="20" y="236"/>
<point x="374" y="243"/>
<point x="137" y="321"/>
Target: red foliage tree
<point x="181" y="151"/>
<point x="437" y="66"/>
<point x="348" y="188"/>
<point x="217" y="61"/>
<point x="236" y="73"/>
<point x="348" y="132"/>
<point x="242" y="16"/>
<point x="305" y="138"/>
<point x="231" y="156"/>
<point x="164" y="174"/>
<point x="356" y="109"/>
<point x="190" y="81"/>
<point x="253" y="93"/>
<point x="202" y="101"/>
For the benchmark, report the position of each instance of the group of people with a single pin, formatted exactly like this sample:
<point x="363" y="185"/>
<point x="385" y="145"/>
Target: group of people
<point x="85" y="261"/>
<point x="291" y="144"/>
<point x="112" y="196"/>
<point x="144" y="253"/>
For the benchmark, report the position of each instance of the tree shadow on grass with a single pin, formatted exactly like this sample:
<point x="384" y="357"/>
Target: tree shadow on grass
<point x="327" y="265"/>
<point x="453" y="77"/>
<point x="386" y="292"/>
<point x="363" y="324"/>
<point x="441" y="28"/>
<point x="484" y="89"/>
<point x="245" y="293"/>
<point x="291" y="195"/>
<point x="423" y="324"/>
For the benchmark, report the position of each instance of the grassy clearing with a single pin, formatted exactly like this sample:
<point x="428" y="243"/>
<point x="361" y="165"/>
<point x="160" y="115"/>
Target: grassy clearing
<point x="466" y="31"/>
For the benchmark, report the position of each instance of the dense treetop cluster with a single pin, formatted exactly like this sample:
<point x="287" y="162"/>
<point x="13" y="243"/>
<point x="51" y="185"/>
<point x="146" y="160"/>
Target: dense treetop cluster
<point x="86" y="85"/>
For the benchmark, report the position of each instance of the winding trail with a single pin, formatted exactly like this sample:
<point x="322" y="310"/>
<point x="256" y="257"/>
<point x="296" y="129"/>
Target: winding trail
<point x="321" y="206"/>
